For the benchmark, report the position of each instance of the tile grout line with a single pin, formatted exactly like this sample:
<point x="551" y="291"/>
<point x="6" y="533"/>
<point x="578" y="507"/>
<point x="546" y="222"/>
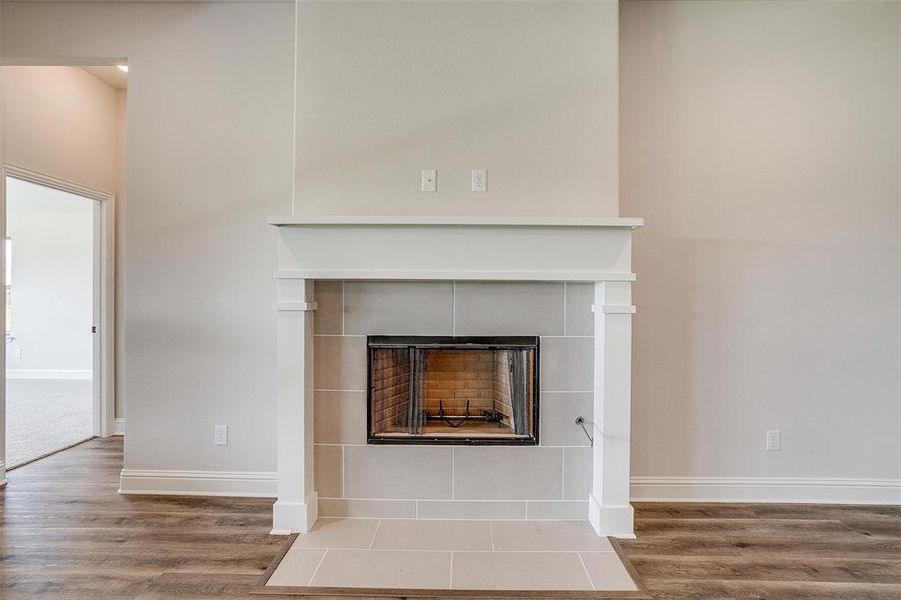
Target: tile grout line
<point x="340" y="444"/>
<point x="316" y="570"/>
<point x="375" y="533"/>
<point x="351" y="335"/>
<point x="453" y="473"/>
<point x="483" y="520"/>
<point x="462" y="500"/>
<point x="432" y="551"/>
<point x="491" y="533"/>
<point x="450" y="581"/>
<point x="563" y="474"/>
<point x="585" y="568"/>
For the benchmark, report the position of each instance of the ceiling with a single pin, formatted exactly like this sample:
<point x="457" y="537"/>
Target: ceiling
<point x="111" y="75"/>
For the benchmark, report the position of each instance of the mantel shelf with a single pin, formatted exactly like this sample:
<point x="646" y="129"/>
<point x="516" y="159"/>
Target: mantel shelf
<point x="593" y="222"/>
<point x="455" y="248"/>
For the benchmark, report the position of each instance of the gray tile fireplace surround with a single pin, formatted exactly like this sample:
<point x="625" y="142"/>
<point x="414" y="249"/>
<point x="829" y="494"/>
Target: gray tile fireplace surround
<point x="353" y="479"/>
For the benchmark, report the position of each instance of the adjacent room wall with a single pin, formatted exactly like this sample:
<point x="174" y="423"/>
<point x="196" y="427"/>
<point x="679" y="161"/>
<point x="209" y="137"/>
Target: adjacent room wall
<point x="61" y="121"/>
<point x="121" y="201"/>
<point x="52" y="236"/>
<point x="209" y="147"/>
<point x="760" y="142"/>
<point x="526" y="90"/>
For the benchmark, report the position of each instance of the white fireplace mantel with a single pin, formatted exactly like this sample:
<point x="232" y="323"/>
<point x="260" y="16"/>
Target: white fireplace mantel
<point x="587" y="249"/>
<point x="455" y="248"/>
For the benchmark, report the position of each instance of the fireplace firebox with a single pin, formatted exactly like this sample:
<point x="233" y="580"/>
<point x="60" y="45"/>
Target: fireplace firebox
<point x="452" y="390"/>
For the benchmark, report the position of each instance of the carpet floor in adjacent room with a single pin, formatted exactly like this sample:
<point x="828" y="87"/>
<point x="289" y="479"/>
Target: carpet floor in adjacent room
<point x="44" y="415"/>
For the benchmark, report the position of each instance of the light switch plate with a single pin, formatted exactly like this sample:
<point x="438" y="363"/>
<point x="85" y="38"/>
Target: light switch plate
<point x="429" y="180"/>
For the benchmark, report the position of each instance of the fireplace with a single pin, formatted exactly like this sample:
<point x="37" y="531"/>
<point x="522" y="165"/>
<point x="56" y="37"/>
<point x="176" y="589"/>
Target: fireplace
<point x="344" y="282"/>
<point x="452" y="390"/>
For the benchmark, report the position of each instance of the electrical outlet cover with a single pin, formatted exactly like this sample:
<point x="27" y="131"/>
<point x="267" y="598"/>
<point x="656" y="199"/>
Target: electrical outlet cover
<point x="220" y="435"/>
<point x="479" y="180"/>
<point x="773" y="440"/>
<point x="429" y="180"/>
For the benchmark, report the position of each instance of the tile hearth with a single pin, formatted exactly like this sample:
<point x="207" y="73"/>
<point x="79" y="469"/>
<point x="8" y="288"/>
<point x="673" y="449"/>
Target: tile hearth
<point x="452" y="555"/>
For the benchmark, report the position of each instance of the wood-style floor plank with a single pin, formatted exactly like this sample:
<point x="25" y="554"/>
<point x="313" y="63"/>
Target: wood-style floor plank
<point x="767" y="550"/>
<point x="66" y="533"/>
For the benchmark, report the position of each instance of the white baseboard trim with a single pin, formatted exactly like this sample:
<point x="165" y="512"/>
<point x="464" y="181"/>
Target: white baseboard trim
<point x="766" y="489"/>
<point x="613" y="521"/>
<point x="49" y="374"/>
<point x="643" y="489"/>
<point x="119" y="426"/>
<point x="295" y="517"/>
<point x="199" y="483"/>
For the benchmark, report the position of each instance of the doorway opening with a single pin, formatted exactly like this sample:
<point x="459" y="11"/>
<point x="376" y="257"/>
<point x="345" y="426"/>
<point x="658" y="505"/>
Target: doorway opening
<point x="61" y="184"/>
<point x="52" y="293"/>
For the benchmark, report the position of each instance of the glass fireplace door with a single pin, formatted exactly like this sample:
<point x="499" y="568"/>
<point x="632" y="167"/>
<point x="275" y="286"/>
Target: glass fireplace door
<point x="453" y="390"/>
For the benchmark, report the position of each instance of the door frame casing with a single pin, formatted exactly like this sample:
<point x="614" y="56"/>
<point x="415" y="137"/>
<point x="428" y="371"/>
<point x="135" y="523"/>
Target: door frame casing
<point x="104" y="285"/>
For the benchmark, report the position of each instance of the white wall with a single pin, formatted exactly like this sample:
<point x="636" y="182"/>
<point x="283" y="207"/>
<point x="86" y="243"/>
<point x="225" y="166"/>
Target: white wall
<point x="208" y="147"/>
<point x="760" y="142"/>
<point x="526" y="90"/>
<point x="52" y="236"/>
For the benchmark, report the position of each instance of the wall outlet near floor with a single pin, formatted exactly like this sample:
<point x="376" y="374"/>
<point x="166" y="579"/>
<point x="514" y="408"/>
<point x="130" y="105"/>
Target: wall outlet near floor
<point x="429" y="180"/>
<point x="220" y="435"/>
<point x="17" y="353"/>
<point x="773" y="440"/>
<point x="479" y="180"/>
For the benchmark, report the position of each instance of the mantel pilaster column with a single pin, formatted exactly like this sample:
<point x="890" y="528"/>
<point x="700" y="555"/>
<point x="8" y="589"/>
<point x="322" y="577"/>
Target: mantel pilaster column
<point x="296" y="507"/>
<point x="609" y="510"/>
